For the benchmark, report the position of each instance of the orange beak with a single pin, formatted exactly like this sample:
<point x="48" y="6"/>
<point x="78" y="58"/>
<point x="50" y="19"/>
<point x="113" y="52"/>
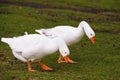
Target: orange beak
<point x="92" y="40"/>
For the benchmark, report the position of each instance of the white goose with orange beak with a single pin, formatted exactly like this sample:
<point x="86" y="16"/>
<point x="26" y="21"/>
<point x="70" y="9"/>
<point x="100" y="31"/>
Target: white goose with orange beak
<point x="70" y="34"/>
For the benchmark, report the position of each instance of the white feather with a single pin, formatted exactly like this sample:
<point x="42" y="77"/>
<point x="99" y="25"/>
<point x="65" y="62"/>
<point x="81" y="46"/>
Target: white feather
<point x="70" y="34"/>
<point x="35" y="46"/>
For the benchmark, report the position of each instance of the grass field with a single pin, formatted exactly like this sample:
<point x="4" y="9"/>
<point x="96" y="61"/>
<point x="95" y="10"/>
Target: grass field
<point x="95" y="62"/>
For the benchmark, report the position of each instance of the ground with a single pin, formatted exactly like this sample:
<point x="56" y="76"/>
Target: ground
<point x="95" y="62"/>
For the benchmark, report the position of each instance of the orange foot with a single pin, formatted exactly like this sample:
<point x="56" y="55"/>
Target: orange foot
<point x="31" y="70"/>
<point x="60" y="61"/>
<point x="29" y="67"/>
<point x="44" y="67"/>
<point x="68" y="60"/>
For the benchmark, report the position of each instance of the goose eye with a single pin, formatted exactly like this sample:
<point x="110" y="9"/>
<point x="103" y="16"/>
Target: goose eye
<point x="65" y="52"/>
<point x="43" y="32"/>
<point x="91" y="34"/>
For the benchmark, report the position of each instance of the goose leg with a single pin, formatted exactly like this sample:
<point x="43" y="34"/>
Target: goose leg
<point x="68" y="60"/>
<point x="29" y="67"/>
<point x="60" y="60"/>
<point x="43" y="66"/>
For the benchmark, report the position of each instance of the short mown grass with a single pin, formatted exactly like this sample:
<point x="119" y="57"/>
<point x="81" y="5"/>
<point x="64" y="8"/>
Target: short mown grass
<point x="95" y="62"/>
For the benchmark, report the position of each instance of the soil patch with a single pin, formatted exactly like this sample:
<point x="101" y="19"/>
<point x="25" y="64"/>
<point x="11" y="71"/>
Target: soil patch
<point x="35" y="5"/>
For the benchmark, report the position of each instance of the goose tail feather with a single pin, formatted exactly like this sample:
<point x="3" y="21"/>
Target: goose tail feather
<point x="6" y="40"/>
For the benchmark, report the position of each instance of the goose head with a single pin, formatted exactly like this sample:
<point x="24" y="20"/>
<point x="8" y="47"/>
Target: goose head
<point x="88" y="30"/>
<point x="62" y="46"/>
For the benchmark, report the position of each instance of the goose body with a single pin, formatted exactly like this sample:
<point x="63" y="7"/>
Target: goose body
<point x="70" y="34"/>
<point x="34" y="47"/>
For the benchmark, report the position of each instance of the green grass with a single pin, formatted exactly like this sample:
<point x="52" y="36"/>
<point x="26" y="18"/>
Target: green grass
<point x="95" y="62"/>
<point x="76" y="4"/>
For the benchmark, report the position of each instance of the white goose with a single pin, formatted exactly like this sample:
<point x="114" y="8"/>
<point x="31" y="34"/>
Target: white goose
<point x="70" y="34"/>
<point x="33" y="47"/>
